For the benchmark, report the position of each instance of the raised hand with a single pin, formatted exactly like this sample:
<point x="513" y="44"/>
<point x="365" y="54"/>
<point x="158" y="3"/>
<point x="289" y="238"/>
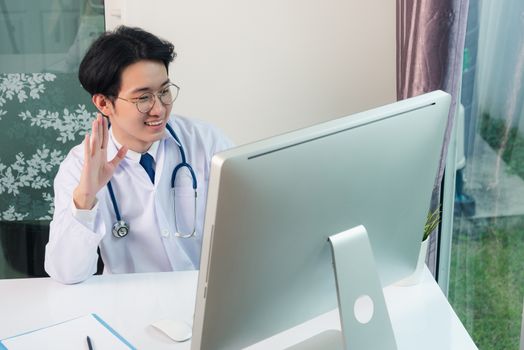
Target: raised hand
<point x="97" y="171"/>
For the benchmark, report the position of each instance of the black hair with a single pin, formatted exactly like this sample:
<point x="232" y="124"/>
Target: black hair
<point x="100" y="71"/>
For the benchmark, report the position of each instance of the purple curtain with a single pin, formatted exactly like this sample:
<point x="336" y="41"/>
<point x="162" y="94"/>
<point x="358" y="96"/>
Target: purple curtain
<point x="430" y="45"/>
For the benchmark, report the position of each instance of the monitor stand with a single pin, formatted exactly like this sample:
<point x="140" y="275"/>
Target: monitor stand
<point x="364" y="317"/>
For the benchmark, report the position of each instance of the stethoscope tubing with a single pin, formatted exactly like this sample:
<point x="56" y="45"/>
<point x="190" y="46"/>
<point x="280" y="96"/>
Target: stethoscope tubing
<point x="121" y="228"/>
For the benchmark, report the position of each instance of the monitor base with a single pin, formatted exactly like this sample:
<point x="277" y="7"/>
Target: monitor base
<point x="364" y="317"/>
<point x="330" y="339"/>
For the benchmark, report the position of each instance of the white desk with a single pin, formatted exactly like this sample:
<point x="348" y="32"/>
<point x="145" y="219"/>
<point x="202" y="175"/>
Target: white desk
<point x="421" y="316"/>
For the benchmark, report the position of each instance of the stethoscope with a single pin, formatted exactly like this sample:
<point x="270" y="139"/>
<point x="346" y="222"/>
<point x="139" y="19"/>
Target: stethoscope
<point x="121" y="228"/>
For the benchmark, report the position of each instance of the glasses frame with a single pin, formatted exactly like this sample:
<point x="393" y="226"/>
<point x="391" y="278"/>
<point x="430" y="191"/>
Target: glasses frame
<point x="155" y="94"/>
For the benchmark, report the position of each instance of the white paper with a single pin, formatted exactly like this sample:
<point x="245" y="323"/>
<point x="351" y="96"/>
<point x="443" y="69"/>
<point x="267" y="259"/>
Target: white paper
<point x="68" y="335"/>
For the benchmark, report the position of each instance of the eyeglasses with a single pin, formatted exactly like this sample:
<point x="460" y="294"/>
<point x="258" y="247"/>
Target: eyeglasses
<point x="144" y="103"/>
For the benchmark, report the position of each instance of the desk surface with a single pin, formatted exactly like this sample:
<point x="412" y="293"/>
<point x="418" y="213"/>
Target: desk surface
<point x="421" y="316"/>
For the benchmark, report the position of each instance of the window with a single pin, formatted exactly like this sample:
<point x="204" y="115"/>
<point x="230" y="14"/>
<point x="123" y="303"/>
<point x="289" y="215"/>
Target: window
<point x="486" y="285"/>
<point x="43" y="112"/>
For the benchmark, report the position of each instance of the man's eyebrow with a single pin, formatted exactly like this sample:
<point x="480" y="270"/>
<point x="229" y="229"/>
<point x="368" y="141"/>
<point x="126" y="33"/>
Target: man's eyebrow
<point x="146" y="88"/>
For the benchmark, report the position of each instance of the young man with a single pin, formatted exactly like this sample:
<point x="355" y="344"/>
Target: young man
<point x="114" y="191"/>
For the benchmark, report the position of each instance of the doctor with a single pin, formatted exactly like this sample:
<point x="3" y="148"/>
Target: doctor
<point x="136" y="188"/>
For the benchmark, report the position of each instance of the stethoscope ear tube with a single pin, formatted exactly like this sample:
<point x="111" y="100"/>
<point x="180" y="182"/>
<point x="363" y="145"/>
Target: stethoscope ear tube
<point x="177" y="231"/>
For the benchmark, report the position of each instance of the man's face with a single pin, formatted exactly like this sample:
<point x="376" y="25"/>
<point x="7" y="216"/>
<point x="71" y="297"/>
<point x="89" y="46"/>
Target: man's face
<point x="132" y="128"/>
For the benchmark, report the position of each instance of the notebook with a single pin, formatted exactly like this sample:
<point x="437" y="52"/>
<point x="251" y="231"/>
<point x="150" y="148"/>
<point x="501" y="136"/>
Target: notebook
<point x="71" y="334"/>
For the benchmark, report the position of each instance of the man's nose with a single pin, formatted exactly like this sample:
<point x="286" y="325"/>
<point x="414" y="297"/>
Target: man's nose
<point x="158" y="107"/>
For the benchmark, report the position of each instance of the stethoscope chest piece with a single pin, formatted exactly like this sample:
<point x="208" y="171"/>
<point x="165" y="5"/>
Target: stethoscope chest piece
<point x="120" y="229"/>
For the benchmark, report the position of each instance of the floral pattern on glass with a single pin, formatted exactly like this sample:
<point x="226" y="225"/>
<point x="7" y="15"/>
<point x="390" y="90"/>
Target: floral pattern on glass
<point x="36" y="136"/>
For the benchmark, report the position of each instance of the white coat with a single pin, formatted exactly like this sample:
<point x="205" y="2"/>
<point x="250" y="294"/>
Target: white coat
<point x="71" y="253"/>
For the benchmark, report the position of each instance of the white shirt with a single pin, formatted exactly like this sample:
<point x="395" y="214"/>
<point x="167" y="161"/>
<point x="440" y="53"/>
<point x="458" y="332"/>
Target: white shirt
<point x="75" y="235"/>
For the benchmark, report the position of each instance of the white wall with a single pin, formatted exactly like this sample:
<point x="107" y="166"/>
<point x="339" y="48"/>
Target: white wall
<point x="260" y="68"/>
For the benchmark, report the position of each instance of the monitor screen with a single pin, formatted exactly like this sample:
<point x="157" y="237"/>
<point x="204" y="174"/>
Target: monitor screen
<point x="266" y="263"/>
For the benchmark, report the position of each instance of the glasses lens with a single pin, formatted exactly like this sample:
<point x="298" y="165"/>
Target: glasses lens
<point x="169" y="94"/>
<point x="145" y="102"/>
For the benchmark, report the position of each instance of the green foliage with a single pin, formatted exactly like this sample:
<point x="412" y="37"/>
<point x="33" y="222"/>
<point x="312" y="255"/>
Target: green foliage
<point x="487" y="280"/>
<point x="486" y="286"/>
<point x="432" y="221"/>
<point x="506" y="140"/>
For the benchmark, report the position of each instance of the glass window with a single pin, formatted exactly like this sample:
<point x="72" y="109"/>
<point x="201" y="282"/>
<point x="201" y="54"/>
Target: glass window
<point x="486" y="285"/>
<point x="43" y="112"/>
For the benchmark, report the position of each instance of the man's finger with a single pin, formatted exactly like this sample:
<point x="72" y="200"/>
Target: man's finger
<point x="87" y="147"/>
<point x="105" y="133"/>
<point x="100" y="134"/>
<point x="120" y="155"/>
<point x="94" y="133"/>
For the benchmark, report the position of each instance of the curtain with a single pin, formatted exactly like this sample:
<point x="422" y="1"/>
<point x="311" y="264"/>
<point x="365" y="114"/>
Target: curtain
<point x="430" y="45"/>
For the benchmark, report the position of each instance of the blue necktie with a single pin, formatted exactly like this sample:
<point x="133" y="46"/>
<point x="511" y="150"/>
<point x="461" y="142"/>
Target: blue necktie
<point x="146" y="161"/>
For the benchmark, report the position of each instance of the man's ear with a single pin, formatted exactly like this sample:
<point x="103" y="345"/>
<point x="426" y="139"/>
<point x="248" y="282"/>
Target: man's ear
<point x="103" y="104"/>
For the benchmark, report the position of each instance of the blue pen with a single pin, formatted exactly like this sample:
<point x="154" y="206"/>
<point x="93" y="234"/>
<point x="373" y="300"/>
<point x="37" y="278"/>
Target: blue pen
<point x="89" y="344"/>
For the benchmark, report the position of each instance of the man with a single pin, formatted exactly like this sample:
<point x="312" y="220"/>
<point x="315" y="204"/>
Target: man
<point x="119" y="179"/>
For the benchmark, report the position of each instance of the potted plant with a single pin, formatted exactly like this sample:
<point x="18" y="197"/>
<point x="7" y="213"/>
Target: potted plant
<point x="432" y="222"/>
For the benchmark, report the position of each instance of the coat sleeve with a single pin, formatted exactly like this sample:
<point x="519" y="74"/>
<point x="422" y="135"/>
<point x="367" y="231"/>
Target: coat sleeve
<point x="71" y="253"/>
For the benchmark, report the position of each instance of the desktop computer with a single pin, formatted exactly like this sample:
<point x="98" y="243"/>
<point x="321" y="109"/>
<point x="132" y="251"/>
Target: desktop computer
<point x="275" y="206"/>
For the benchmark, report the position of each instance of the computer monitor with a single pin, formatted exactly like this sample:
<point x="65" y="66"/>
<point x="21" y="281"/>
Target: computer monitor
<point x="266" y="263"/>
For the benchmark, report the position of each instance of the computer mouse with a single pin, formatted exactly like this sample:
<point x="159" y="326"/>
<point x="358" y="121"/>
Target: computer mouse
<point x="177" y="330"/>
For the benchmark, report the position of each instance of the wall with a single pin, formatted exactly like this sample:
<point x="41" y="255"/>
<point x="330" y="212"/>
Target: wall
<point x="260" y="68"/>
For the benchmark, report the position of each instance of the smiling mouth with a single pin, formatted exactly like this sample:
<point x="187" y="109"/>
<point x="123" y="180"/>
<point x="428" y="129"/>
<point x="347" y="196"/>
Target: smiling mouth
<point x="154" y="123"/>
